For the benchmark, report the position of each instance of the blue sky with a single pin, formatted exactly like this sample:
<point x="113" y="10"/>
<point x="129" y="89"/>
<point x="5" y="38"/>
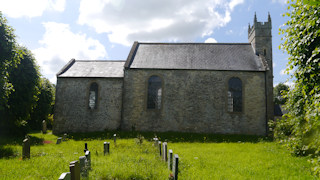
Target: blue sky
<point x="58" y="30"/>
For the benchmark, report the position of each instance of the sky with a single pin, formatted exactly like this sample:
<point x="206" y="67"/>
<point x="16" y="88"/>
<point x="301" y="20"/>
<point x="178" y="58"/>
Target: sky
<point x="58" y="30"/>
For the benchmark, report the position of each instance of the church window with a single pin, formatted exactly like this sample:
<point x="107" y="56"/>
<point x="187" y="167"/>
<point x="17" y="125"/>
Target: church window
<point x="154" y="92"/>
<point x="264" y="52"/>
<point x="93" y="96"/>
<point x="234" y="95"/>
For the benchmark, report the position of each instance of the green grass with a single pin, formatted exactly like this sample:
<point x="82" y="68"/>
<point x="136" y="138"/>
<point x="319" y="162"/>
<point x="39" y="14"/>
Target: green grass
<point x="202" y="156"/>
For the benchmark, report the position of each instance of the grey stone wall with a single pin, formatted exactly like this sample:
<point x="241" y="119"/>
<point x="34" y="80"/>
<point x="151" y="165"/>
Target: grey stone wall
<point x="72" y="113"/>
<point x="194" y="101"/>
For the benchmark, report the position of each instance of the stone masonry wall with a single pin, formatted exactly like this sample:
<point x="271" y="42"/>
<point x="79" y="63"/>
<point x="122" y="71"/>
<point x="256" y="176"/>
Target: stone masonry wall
<point x="194" y="101"/>
<point x="72" y="113"/>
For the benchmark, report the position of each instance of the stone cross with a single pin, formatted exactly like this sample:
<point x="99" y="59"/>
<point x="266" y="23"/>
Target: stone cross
<point x="106" y="148"/>
<point x="159" y="145"/>
<point x="75" y="170"/>
<point x="59" y="140"/>
<point x="88" y="156"/>
<point x="65" y="176"/>
<point x="64" y="138"/>
<point x="170" y="159"/>
<point x="44" y="127"/>
<point x="164" y="151"/>
<point x="83" y="168"/>
<point x="26" y="149"/>
<point x="175" y="169"/>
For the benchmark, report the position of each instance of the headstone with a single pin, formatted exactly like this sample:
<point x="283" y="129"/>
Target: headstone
<point x="159" y="145"/>
<point x="75" y="170"/>
<point x="156" y="140"/>
<point x="170" y="159"/>
<point x="106" y="148"/>
<point x="164" y="151"/>
<point x="175" y="166"/>
<point x="85" y="147"/>
<point x="83" y="168"/>
<point x="44" y="127"/>
<point x="59" y="140"/>
<point x="26" y="149"/>
<point x="88" y="157"/>
<point x="65" y="176"/>
<point x="115" y="139"/>
<point x="64" y="138"/>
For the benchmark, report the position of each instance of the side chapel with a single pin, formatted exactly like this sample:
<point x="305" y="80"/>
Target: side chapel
<point x="222" y="88"/>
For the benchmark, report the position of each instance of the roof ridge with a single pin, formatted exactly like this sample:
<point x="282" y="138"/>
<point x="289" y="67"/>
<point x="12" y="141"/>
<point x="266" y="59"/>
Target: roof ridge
<point x="195" y="43"/>
<point x="100" y="60"/>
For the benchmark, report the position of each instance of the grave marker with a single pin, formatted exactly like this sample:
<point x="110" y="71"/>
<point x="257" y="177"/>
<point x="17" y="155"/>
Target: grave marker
<point x="26" y="149"/>
<point x="65" y="135"/>
<point x="164" y="152"/>
<point x="59" y="140"/>
<point x="106" y="148"/>
<point x="170" y="159"/>
<point x="159" y="145"/>
<point x="65" y="176"/>
<point x="83" y="168"/>
<point x="75" y="170"/>
<point x="88" y="156"/>
<point x="156" y="142"/>
<point x="115" y="139"/>
<point x="44" y="127"/>
<point x="85" y="147"/>
<point x="175" y="166"/>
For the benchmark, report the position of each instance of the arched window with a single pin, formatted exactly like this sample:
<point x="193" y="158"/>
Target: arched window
<point x="234" y="95"/>
<point x="154" y="92"/>
<point x="93" y="96"/>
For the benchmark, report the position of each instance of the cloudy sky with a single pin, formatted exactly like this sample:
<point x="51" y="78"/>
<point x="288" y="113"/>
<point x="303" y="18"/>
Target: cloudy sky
<point x="58" y="30"/>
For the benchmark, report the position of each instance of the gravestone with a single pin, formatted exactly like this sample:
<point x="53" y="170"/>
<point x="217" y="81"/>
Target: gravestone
<point x="65" y="176"/>
<point x="175" y="168"/>
<point x="159" y="145"/>
<point x="59" y="140"/>
<point x="64" y="138"/>
<point x="170" y="159"/>
<point x="26" y="149"/>
<point x="85" y="147"/>
<point x="44" y="127"/>
<point x="83" y="168"/>
<point x="164" y="151"/>
<point x="115" y="139"/>
<point x="106" y="148"/>
<point x="88" y="161"/>
<point x="75" y="170"/>
<point x="156" y="140"/>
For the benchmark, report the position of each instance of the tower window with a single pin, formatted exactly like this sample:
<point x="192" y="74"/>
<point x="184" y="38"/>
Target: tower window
<point x="234" y="95"/>
<point x="154" y="92"/>
<point x="264" y="52"/>
<point x="93" y="96"/>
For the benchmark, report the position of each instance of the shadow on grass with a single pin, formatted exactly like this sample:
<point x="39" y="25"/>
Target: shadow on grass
<point x="17" y="140"/>
<point x="7" y="152"/>
<point x="170" y="136"/>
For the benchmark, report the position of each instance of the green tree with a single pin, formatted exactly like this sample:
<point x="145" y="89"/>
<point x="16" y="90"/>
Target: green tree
<point x="302" y="43"/>
<point x="25" y="80"/>
<point x="44" y="105"/>
<point x="279" y="93"/>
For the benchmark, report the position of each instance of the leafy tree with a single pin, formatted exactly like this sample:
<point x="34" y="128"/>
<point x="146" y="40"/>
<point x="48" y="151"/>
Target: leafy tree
<point x="9" y="58"/>
<point x="279" y="92"/>
<point x="44" y="105"/>
<point x="302" y="43"/>
<point x="25" y="80"/>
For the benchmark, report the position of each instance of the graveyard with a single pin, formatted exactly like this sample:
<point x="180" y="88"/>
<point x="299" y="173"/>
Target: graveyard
<point x="136" y="155"/>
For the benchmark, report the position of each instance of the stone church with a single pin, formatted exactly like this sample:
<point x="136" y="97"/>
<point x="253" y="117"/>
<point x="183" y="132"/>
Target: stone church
<point x="222" y="88"/>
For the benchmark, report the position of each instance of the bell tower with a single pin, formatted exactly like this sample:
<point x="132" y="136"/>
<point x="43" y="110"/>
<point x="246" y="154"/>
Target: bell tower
<point x="260" y="37"/>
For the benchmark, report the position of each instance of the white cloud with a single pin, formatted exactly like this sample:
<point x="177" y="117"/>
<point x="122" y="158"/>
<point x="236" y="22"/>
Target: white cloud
<point x="60" y="44"/>
<point x="126" y="21"/>
<point x="210" y="40"/>
<point x="290" y="84"/>
<point x="285" y="72"/>
<point x="280" y="1"/>
<point x="30" y="8"/>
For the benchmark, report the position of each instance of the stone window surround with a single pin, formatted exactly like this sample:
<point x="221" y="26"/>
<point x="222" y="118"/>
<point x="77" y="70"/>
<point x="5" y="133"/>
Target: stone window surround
<point x="146" y="93"/>
<point x="226" y="96"/>
<point x="97" y="95"/>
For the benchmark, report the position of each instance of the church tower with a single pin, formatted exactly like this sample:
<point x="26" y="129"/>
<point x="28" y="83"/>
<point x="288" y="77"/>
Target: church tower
<point x="260" y="37"/>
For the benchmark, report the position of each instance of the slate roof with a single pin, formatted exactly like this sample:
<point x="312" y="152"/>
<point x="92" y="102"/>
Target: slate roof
<point x="198" y="56"/>
<point x="88" y="68"/>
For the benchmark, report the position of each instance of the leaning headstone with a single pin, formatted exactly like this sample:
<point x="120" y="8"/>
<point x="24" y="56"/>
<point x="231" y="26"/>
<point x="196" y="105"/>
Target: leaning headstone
<point x="170" y="159"/>
<point x="64" y="138"/>
<point x="75" y="170"/>
<point x="26" y="149"/>
<point x="159" y="145"/>
<point x="65" y="176"/>
<point x="59" y="140"/>
<point x="44" y="127"/>
<point x="115" y="139"/>
<point x="83" y="168"/>
<point x="85" y="147"/>
<point x="175" y="166"/>
<point x="88" y="161"/>
<point x="164" y="151"/>
<point x="106" y="148"/>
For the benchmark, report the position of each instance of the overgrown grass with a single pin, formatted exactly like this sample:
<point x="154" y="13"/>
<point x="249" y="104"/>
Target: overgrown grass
<point x="202" y="156"/>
